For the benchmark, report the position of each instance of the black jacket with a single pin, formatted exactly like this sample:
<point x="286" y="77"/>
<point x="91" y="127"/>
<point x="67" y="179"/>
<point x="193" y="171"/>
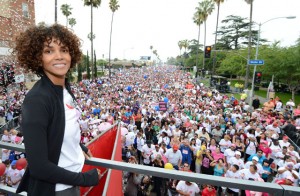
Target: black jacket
<point x="43" y="127"/>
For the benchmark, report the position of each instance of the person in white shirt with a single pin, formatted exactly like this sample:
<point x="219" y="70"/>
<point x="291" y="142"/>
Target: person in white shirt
<point x="294" y="154"/>
<point x="233" y="172"/>
<point x="129" y="138"/>
<point x="174" y="156"/>
<point x="290" y="104"/>
<point x="5" y="137"/>
<point x="250" y="173"/>
<point x="225" y="143"/>
<point x="187" y="188"/>
<point x="278" y="106"/>
<point x="274" y="127"/>
<point x="139" y="143"/>
<point x="259" y="168"/>
<point x="229" y="153"/>
<point x="14" y="175"/>
<point x="287" y="170"/>
<point x="147" y="150"/>
<point x="284" y="141"/>
<point x="236" y="160"/>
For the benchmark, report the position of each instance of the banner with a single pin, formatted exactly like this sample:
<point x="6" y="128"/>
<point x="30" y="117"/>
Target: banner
<point x="100" y="148"/>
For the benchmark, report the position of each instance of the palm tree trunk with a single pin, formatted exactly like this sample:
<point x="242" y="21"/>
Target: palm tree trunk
<point x="111" y="25"/>
<point x="249" y="46"/>
<point x="197" y="49"/>
<point x="55" y="12"/>
<point x="215" y="46"/>
<point x="92" y="40"/>
<point x="204" y="44"/>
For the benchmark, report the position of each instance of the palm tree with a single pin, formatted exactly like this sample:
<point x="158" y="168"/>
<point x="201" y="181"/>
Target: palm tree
<point x="218" y="2"/>
<point x="114" y="6"/>
<point x="72" y="22"/>
<point x="185" y="44"/>
<point x="66" y="10"/>
<point x="205" y="8"/>
<point x="250" y="2"/>
<point x="55" y="11"/>
<point x="180" y="45"/>
<point x="96" y="4"/>
<point x="198" y="20"/>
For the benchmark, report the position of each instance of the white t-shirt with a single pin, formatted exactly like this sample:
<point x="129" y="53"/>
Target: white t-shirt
<point x="129" y="138"/>
<point x="238" y="162"/>
<point x="286" y="174"/>
<point x="235" y="175"/>
<point x="71" y="157"/>
<point x="248" y="174"/>
<point x="147" y="152"/>
<point x="191" y="189"/>
<point x="260" y="169"/>
<point x="15" y="175"/>
<point x="229" y="154"/>
<point x="172" y="157"/>
<point x="282" y="143"/>
<point x="224" y="144"/>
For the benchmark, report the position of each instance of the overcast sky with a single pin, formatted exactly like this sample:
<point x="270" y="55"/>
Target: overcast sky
<point x="162" y="23"/>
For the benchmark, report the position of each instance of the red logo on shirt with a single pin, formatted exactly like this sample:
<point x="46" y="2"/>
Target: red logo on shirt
<point x="69" y="106"/>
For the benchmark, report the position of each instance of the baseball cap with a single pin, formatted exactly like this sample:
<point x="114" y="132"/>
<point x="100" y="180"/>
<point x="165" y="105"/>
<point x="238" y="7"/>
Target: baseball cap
<point x="285" y="137"/>
<point x="255" y="158"/>
<point x="232" y="145"/>
<point x="13" y="163"/>
<point x="237" y="153"/>
<point x="289" y="164"/>
<point x="175" y="147"/>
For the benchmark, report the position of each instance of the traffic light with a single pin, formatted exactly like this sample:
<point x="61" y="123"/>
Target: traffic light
<point x="257" y="78"/>
<point x="207" y="51"/>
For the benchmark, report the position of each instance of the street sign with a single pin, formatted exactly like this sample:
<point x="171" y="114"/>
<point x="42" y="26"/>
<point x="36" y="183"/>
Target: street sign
<point x="256" y="62"/>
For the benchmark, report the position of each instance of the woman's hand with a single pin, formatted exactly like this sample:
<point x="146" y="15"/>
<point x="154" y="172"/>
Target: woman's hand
<point x="88" y="154"/>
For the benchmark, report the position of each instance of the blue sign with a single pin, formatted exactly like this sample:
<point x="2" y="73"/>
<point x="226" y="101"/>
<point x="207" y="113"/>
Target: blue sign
<point x="256" y="62"/>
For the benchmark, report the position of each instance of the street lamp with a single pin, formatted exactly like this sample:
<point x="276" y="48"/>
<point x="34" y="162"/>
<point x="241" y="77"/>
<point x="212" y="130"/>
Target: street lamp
<point x="256" y="52"/>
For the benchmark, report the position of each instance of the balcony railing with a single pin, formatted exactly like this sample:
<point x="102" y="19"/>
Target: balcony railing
<point x="272" y="188"/>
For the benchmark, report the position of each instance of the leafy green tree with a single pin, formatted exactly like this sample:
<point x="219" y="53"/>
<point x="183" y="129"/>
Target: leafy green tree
<point x="66" y="10"/>
<point x="114" y="6"/>
<point x="234" y="33"/>
<point x="92" y="4"/>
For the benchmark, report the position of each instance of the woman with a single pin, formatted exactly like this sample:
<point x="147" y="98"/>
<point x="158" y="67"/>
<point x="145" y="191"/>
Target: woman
<point x="50" y="116"/>
<point x="206" y="161"/>
<point x="239" y="146"/>
<point x="212" y="145"/>
<point x="217" y="154"/>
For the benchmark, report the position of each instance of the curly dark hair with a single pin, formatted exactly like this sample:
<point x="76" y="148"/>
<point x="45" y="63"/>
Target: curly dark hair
<point x="30" y="44"/>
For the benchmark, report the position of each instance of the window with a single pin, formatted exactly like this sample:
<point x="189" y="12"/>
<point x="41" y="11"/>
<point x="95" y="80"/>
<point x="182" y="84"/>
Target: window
<point x="25" y="10"/>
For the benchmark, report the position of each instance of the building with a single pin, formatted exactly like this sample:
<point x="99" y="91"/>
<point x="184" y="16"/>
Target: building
<point x="15" y="17"/>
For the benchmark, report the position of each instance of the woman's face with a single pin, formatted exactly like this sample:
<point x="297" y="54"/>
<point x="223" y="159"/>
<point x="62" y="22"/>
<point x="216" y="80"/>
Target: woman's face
<point x="56" y="60"/>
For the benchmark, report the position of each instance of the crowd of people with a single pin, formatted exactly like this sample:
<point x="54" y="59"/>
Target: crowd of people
<point x="199" y="131"/>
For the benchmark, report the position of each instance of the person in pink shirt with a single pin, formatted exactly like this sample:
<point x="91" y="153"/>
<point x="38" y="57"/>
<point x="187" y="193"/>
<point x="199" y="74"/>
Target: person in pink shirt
<point x="266" y="149"/>
<point x="297" y="111"/>
<point x="217" y="154"/>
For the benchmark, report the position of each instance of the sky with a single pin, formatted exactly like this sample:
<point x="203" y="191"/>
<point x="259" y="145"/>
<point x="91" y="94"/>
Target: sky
<point x="138" y="24"/>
